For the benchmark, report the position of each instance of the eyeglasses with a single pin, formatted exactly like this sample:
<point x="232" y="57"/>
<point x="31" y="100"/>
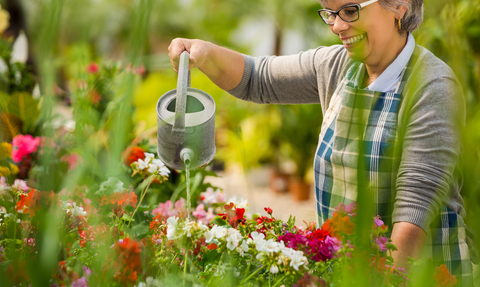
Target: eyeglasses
<point x="348" y="13"/>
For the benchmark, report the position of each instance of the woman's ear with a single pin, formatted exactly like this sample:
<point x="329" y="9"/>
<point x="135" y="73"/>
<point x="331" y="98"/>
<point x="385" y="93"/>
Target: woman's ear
<point x="401" y="10"/>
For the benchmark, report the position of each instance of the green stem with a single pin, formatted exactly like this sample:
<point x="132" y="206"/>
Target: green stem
<point x="253" y="274"/>
<point x="279" y="281"/>
<point x="141" y="199"/>
<point x="185" y="267"/>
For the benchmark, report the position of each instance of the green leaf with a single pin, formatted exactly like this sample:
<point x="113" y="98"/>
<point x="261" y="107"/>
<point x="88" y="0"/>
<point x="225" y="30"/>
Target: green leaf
<point x="139" y="230"/>
<point x="10" y="126"/>
<point x="110" y="186"/>
<point x="24" y="106"/>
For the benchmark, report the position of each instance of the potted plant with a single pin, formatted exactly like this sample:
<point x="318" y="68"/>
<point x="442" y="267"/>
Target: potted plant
<point x="299" y="137"/>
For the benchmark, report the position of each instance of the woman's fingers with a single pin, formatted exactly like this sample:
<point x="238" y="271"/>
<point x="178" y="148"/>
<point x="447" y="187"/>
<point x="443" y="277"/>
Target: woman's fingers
<point x="196" y="48"/>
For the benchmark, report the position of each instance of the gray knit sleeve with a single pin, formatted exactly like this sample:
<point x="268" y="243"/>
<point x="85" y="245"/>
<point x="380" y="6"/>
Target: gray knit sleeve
<point x="432" y="118"/>
<point x="294" y="79"/>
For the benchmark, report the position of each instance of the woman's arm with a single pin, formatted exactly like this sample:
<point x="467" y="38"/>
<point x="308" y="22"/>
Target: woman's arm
<point x="222" y="66"/>
<point x="409" y="240"/>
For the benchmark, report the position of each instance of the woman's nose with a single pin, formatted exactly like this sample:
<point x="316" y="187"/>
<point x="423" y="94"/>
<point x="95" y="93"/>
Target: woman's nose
<point x="339" y="25"/>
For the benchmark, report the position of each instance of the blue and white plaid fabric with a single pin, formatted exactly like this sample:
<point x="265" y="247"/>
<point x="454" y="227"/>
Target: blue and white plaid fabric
<point x="362" y="118"/>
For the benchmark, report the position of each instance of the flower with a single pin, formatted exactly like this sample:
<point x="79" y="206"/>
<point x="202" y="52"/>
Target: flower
<point x="268" y="210"/>
<point x="210" y="196"/>
<point x="233" y="215"/>
<point x="382" y="243"/>
<point x="81" y="282"/>
<point x="443" y="277"/>
<point x="20" y="185"/>
<point x="29" y="204"/>
<point x="172" y="227"/>
<point x="338" y="225"/>
<point x="4" y="20"/>
<point x="92" y="68"/>
<point x="23" y="145"/>
<point x="378" y="221"/>
<point x="135" y="154"/>
<point x="128" y="264"/>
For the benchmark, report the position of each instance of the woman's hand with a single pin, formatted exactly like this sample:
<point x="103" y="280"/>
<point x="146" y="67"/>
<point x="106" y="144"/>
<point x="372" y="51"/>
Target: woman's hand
<point x="409" y="240"/>
<point x="223" y="66"/>
<point x="197" y="49"/>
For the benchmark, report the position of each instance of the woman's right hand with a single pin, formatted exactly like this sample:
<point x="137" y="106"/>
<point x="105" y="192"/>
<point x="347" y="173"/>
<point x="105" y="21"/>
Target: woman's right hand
<point x="223" y="66"/>
<point x="197" y="49"/>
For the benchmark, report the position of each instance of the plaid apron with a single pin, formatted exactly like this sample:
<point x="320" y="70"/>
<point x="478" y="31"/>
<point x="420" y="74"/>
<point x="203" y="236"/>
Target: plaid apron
<point x="368" y="119"/>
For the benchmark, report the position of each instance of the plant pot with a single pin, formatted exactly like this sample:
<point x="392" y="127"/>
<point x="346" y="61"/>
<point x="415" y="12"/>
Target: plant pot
<point x="279" y="181"/>
<point x="300" y="189"/>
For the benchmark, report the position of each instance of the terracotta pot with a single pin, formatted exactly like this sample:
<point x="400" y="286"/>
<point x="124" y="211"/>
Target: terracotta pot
<point x="279" y="181"/>
<point x="299" y="189"/>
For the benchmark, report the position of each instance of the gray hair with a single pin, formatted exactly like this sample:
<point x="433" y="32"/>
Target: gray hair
<point x="412" y="18"/>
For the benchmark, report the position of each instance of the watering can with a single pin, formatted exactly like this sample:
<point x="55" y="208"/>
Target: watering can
<point x="185" y="123"/>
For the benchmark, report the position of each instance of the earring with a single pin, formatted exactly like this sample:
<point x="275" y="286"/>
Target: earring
<point x="399" y="24"/>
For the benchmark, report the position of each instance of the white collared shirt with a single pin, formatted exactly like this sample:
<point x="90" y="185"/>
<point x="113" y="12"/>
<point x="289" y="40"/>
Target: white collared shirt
<point x="388" y="80"/>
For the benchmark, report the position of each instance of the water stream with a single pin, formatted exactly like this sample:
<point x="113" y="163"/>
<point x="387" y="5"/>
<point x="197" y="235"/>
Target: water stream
<point x="189" y="202"/>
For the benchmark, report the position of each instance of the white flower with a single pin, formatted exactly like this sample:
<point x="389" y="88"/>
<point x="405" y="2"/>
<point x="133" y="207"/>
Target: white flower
<point x="209" y="235"/>
<point x="210" y="196"/>
<point x="232" y="242"/>
<point x="3" y="183"/>
<point x="242" y="248"/>
<point x="272" y="246"/>
<point x="298" y="260"/>
<point x="239" y="202"/>
<point x="189" y="227"/>
<point x="172" y="227"/>
<point x="256" y="237"/>
<point x="220" y="232"/>
<point x="164" y="171"/>
<point x="274" y="269"/>
<point x="149" y="157"/>
<point x="141" y="164"/>
<point x="78" y="210"/>
<point x="152" y="168"/>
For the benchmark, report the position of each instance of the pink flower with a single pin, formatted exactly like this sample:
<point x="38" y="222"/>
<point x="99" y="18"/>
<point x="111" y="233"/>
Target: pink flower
<point x="382" y="243"/>
<point x="81" y="282"/>
<point x="71" y="159"/>
<point x="20" y="185"/>
<point x="163" y="209"/>
<point x="24" y="145"/>
<point x="378" y="222"/>
<point x="92" y="68"/>
<point x="210" y="196"/>
<point x="200" y="211"/>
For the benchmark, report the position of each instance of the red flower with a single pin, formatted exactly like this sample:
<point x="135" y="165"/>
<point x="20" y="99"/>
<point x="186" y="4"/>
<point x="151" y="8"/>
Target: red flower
<point x="268" y="210"/>
<point x="338" y="225"/>
<point x="233" y="215"/>
<point x="122" y="199"/>
<point x="443" y="277"/>
<point x="212" y="246"/>
<point x="156" y="222"/>
<point x="134" y="154"/>
<point x="92" y="68"/>
<point x="129" y="261"/>
<point x="30" y="203"/>
<point x="319" y="234"/>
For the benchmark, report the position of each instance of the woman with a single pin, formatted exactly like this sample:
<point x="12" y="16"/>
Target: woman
<point x="379" y="93"/>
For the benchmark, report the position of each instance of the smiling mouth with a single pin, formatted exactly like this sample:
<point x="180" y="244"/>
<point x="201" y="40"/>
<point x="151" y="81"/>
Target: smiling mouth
<point x="353" y="40"/>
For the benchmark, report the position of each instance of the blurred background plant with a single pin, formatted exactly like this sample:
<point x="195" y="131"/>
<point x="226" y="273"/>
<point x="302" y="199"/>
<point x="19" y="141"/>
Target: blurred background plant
<point x="107" y="61"/>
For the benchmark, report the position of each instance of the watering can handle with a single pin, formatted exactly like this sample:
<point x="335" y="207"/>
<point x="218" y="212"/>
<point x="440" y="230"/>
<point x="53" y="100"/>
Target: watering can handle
<point x="183" y="83"/>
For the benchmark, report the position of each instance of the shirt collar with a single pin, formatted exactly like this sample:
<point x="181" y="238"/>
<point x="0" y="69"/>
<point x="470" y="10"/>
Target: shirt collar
<point x="390" y="77"/>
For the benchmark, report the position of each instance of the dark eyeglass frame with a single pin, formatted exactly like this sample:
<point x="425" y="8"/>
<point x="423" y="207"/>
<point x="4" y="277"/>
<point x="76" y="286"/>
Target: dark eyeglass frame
<point x="337" y="13"/>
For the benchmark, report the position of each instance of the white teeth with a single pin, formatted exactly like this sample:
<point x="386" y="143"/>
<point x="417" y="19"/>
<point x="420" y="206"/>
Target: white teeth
<point x="354" y="40"/>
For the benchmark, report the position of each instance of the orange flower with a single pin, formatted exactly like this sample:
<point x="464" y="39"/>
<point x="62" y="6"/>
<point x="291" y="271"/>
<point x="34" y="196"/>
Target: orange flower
<point x="156" y="222"/>
<point x="135" y="154"/>
<point x="443" y="277"/>
<point x="129" y="262"/>
<point x="338" y="225"/>
<point x="29" y="204"/>
<point x="122" y="199"/>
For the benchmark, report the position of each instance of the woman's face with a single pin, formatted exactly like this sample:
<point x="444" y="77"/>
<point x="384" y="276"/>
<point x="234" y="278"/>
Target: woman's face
<point x="369" y="38"/>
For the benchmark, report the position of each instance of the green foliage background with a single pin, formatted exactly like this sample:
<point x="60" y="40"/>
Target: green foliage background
<point x="66" y="35"/>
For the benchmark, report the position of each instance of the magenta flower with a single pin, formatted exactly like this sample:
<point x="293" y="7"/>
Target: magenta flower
<point x="81" y="282"/>
<point x="378" y="222"/>
<point x="24" y="145"/>
<point x="382" y="243"/>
